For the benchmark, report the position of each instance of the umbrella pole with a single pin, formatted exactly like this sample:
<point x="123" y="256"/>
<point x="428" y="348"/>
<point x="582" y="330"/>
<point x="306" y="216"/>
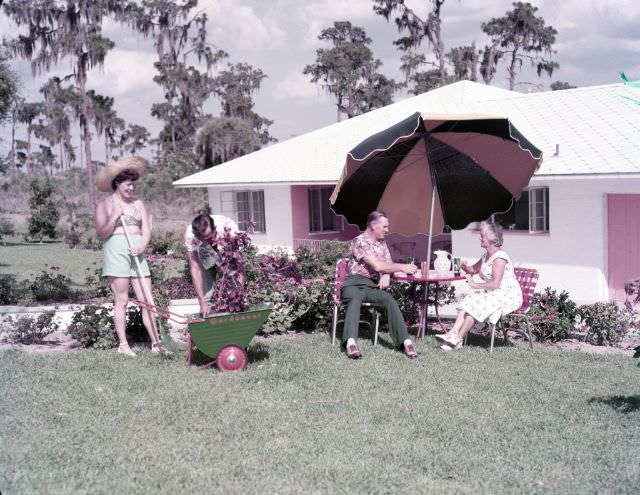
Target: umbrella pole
<point x="433" y="203"/>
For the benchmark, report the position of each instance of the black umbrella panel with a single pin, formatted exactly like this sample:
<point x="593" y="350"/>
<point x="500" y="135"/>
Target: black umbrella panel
<point x="467" y="167"/>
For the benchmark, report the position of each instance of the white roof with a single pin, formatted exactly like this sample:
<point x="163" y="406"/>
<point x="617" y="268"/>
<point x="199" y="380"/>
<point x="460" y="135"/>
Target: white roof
<point x="596" y="128"/>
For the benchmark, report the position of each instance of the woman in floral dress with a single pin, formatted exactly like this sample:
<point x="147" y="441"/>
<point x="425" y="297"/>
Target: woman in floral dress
<point x="496" y="289"/>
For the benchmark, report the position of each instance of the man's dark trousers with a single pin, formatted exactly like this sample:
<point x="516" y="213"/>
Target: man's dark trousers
<point x="357" y="289"/>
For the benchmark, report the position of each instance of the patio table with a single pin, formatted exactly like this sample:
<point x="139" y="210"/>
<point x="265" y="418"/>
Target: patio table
<point x="427" y="279"/>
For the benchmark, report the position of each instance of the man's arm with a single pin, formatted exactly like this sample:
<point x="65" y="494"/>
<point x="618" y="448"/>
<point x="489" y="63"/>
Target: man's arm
<point x="382" y="266"/>
<point x="196" y="277"/>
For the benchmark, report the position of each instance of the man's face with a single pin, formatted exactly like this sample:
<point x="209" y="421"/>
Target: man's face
<point x="209" y="235"/>
<point x="380" y="228"/>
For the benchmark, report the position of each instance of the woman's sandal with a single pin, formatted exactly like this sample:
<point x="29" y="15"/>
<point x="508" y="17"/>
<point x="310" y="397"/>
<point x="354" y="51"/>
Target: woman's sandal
<point x="126" y="350"/>
<point x="158" y="348"/>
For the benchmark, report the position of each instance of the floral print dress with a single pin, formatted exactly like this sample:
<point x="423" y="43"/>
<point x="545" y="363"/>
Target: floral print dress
<point x="490" y="305"/>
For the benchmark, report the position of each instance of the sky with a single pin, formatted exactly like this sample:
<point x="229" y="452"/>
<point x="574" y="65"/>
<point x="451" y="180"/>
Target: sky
<point x="596" y="40"/>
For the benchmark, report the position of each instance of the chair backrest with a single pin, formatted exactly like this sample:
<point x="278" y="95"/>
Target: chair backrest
<point x="341" y="275"/>
<point x="528" y="279"/>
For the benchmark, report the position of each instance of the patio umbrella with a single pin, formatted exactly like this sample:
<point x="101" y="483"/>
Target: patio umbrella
<point x="429" y="171"/>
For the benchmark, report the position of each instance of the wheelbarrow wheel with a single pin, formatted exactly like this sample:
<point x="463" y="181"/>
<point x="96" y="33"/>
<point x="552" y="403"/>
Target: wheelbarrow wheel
<point x="232" y="357"/>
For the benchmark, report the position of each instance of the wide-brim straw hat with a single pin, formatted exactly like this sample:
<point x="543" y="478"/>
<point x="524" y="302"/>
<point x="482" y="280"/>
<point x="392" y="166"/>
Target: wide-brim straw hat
<point x="105" y="176"/>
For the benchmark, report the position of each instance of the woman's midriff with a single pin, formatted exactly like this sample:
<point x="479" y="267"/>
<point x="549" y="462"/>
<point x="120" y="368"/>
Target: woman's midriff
<point x="130" y="230"/>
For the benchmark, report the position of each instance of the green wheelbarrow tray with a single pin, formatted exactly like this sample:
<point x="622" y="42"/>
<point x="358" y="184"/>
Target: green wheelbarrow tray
<point x="223" y="337"/>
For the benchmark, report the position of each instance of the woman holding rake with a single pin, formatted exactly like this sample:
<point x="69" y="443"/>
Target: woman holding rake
<point x="122" y="222"/>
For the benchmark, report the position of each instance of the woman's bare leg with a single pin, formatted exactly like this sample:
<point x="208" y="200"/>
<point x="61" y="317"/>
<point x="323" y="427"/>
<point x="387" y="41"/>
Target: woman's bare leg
<point x="467" y="325"/>
<point x="144" y="294"/>
<point x="120" y="289"/>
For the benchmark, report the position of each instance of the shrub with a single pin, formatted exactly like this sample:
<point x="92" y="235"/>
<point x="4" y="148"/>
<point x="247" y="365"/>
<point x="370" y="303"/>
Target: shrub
<point x="44" y="211"/>
<point x="96" y="284"/>
<point x="8" y="288"/>
<point x="6" y="228"/>
<point x="164" y="242"/>
<point x="552" y="315"/>
<point x="407" y="298"/>
<point x="605" y="322"/>
<point x="30" y="329"/>
<point x="81" y="231"/>
<point x="50" y="285"/>
<point x="92" y="326"/>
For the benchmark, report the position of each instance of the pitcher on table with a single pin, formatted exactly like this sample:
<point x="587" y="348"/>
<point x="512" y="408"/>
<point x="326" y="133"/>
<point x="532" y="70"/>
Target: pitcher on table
<point x="442" y="263"/>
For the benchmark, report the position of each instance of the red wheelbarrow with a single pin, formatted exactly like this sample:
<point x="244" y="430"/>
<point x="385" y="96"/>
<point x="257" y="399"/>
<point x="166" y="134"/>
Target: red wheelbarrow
<point x="223" y="337"/>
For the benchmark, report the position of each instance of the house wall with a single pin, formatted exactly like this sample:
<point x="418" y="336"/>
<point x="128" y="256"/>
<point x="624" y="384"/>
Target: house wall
<point x="300" y="219"/>
<point x="573" y="255"/>
<point x="277" y="210"/>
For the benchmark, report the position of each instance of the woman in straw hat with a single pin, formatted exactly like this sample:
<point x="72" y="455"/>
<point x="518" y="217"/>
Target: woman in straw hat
<point x="114" y="213"/>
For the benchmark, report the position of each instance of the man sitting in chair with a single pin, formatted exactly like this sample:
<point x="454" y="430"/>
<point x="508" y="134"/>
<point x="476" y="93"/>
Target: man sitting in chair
<point x="369" y="273"/>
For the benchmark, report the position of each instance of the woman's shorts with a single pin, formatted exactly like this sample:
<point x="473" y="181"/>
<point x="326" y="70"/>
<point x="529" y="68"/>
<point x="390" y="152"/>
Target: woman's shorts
<point x="117" y="262"/>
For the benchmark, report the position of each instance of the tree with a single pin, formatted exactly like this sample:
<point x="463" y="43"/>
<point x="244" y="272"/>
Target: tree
<point x="44" y="210"/>
<point x="523" y="36"/>
<point x="558" y="85"/>
<point x="221" y="139"/>
<point x="179" y="34"/>
<point x="8" y="88"/>
<point x="135" y="138"/>
<point x="418" y="30"/>
<point x="59" y="110"/>
<point x="73" y="29"/>
<point x="235" y="87"/>
<point x="27" y="114"/>
<point x="349" y="72"/>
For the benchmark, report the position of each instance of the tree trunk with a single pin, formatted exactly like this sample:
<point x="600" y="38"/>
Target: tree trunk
<point x="12" y="153"/>
<point x="29" y="164"/>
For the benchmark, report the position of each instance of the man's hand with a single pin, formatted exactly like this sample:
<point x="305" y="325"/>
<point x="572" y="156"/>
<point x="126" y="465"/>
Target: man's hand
<point x="409" y="268"/>
<point x="204" y="308"/>
<point x="385" y="281"/>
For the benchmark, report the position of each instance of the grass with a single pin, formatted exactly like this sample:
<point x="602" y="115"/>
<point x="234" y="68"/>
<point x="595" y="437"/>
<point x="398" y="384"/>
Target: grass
<point x="305" y="419"/>
<point x="27" y="260"/>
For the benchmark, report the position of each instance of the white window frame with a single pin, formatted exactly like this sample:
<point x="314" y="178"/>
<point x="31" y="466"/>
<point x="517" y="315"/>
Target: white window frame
<point x="229" y="207"/>
<point x="317" y="204"/>
<point x="537" y="199"/>
<point x="538" y="196"/>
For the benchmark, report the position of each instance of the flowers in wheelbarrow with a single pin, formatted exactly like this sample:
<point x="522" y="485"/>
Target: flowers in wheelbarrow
<point x="229" y="295"/>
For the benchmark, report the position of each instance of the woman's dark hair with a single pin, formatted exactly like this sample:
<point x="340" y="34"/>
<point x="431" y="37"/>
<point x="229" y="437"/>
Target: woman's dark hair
<point x="374" y="216"/>
<point x="200" y="224"/>
<point x="131" y="175"/>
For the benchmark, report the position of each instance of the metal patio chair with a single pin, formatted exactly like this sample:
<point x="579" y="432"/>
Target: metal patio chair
<point x="528" y="279"/>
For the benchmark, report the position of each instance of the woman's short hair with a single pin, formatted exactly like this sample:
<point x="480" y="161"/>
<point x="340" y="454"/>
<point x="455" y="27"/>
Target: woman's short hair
<point x="200" y="224"/>
<point x="375" y="216"/>
<point x="131" y="175"/>
<point x="493" y="232"/>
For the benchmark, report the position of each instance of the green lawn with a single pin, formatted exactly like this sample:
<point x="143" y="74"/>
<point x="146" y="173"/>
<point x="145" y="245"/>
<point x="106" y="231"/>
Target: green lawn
<point x="27" y="260"/>
<point x="304" y="419"/>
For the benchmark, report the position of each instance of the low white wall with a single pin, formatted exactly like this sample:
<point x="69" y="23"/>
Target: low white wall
<point x="573" y="255"/>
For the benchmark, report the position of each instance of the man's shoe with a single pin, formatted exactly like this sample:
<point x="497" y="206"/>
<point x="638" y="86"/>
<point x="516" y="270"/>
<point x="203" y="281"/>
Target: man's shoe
<point x="353" y="352"/>
<point x="410" y="351"/>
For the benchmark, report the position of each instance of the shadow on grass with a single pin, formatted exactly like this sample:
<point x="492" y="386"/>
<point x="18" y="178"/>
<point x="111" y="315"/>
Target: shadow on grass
<point x="621" y="403"/>
<point x="256" y="352"/>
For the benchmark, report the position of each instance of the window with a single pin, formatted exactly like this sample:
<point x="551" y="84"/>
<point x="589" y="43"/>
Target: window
<point x="245" y="207"/>
<point x="530" y="212"/>
<point x="321" y="216"/>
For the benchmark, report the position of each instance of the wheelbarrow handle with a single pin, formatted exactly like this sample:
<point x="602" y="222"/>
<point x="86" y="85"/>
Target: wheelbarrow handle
<point x="164" y="313"/>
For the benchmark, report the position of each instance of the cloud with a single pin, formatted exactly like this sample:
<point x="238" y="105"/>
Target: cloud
<point x="298" y="87"/>
<point x="234" y="25"/>
<point x="124" y="72"/>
